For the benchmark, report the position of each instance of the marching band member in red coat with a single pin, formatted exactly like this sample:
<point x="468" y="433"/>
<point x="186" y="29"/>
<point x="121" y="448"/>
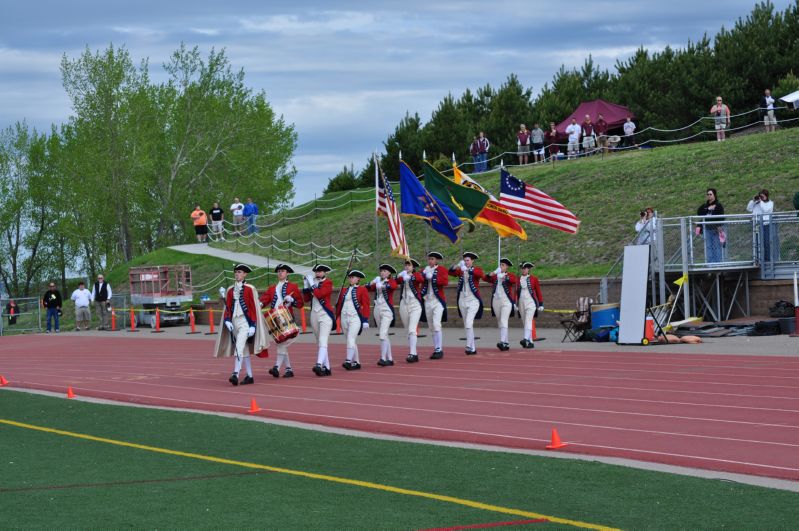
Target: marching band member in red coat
<point x="503" y="300"/>
<point x="384" y="286"/>
<point x="246" y="329"/>
<point x="352" y="308"/>
<point x="435" y="303"/>
<point x="317" y="291"/>
<point x="283" y="294"/>
<point x="470" y="305"/>
<point x="531" y="301"/>
<point x="411" y="304"/>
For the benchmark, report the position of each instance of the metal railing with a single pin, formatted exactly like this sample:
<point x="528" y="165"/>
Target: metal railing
<point x="27" y="317"/>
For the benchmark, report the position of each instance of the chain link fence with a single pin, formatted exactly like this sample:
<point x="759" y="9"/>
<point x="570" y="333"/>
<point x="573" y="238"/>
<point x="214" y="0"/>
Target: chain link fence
<point x="24" y="315"/>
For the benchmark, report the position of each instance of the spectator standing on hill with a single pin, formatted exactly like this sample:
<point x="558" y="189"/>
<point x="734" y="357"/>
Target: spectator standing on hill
<point x="200" y="220"/>
<point x="251" y="213"/>
<point x="12" y="311"/>
<point x="551" y="138"/>
<point x="537" y="143"/>
<point x="645" y="227"/>
<point x="767" y="111"/>
<point x="574" y="131"/>
<point x="629" y="132"/>
<point x="101" y="295"/>
<point x="601" y="130"/>
<point x="51" y="300"/>
<point x="721" y="118"/>
<point x="762" y="207"/>
<point x="483" y="145"/>
<point x="237" y="210"/>
<point x="523" y="144"/>
<point x="82" y="298"/>
<point x="217" y="218"/>
<point x="474" y="151"/>
<point x="711" y="230"/>
<point x="589" y="135"/>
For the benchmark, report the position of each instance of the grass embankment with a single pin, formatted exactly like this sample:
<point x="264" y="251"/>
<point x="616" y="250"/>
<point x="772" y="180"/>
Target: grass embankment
<point x="55" y="481"/>
<point x="605" y="193"/>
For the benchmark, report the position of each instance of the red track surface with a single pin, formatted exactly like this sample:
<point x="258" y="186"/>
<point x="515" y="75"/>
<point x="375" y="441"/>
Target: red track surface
<point x="731" y="413"/>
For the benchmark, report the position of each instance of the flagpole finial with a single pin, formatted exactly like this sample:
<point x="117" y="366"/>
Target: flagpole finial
<point x="502" y="163"/>
<point x="453" y="157"/>
<point x="424" y="155"/>
<point x="400" y="154"/>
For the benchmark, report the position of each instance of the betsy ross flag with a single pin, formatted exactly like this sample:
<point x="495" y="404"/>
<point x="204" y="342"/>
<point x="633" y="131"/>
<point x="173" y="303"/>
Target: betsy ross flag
<point x="528" y="203"/>
<point x="387" y="206"/>
<point x="494" y="214"/>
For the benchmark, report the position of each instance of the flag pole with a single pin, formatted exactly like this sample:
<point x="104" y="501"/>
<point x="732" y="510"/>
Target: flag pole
<point x="377" y="217"/>
<point x="499" y="249"/>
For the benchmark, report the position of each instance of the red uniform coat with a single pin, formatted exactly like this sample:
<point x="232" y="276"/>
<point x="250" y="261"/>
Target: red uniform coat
<point x="388" y="290"/>
<point x="321" y="293"/>
<point x="474" y="286"/>
<point x="417" y="280"/>
<point x="247" y="301"/>
<point x="269" y="297"/>
<point x="360" y="300"/>
<point x="440" y="279"/>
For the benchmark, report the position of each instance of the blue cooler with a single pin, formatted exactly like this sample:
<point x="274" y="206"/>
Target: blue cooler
<point x="604" y="315"/>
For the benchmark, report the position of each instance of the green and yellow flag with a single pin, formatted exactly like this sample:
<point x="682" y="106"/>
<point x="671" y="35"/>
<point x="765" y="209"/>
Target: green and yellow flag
<point x="466" y="202"/>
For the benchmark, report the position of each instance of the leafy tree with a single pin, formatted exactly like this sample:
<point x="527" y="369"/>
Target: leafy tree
<point x="787" y="85"/>
<point x="406" y="138"/>
<point x="344" y="180"/>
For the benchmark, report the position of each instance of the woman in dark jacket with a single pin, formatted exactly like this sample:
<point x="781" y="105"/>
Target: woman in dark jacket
<point x="713" y="231"/>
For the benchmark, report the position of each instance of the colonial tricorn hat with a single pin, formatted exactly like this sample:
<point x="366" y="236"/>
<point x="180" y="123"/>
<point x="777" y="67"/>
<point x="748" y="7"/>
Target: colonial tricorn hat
<point x="435" y="254"/>
<point x="242" y="267"/>
<point x="507" y="262"/>
<point x="388" y="268"/>
<point x="527" y="265"/>
<point x="321" y="267"/>
<point x="284" y="267"/>
<point x="355" y="273"/>
<point x="469" y="254"/>
<point x="413" y="262"/>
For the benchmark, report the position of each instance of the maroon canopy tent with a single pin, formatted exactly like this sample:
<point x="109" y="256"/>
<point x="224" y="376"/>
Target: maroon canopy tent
<point x="615" y="115"/>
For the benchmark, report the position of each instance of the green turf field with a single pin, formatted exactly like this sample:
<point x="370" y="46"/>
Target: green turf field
<point x="55" y="481"/>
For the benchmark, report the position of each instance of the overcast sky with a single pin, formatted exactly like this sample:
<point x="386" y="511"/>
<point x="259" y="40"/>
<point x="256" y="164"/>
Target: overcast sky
<point x="344" y="73"/>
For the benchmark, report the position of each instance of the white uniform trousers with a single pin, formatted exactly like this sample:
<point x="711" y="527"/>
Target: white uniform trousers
<point x="434" y="311"/>
<point x="283" y="356"/>
<point x="321" y="324"/>
<point x="240" y="329"/>
<point x="527" y="311"/>
<point x="502" y="308"/>
<point x="383" y="316"/>
<point x="350" y="326"/>
<point x="468" y="307"/>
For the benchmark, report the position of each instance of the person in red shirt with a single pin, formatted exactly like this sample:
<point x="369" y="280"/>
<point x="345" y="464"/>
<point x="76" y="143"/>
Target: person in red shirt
<point x="287" y="295"/>
<point x="352" y="308"/>
<point x="470" y="305"/>
<point x="384" y="285"/>
<point x="503" y="301"/>
<point x="523" y="144"/>
<point x="601" y="130"/>
<point x="317" y="290"/>
<point x="435" y="302"/>
<point x="551" y="139"/>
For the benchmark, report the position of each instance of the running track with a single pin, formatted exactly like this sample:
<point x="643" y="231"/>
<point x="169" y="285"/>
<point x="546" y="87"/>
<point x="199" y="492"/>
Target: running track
<point x="727" y="413"/>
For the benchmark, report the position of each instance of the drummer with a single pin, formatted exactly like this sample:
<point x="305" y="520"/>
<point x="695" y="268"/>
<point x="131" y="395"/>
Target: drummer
<point x="352" y="308"/>
<point x="411" y="305"/>
<point x="384" y="285"/>
<point x="287" y="295"/>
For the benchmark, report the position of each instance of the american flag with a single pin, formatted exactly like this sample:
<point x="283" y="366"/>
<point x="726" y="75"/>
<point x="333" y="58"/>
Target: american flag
<point x="528" y="203"/>
<point x="387" y="206"/>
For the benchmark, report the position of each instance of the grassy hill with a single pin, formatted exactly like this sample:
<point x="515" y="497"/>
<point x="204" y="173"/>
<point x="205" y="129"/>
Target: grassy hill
<point x="606" y="193"/>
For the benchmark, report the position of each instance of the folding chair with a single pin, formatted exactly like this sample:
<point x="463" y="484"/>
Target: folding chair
<point x="579" y="322"/>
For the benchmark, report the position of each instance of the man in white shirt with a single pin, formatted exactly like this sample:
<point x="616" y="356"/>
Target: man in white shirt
<point x="767" y="109"/>
<point x="237" y="209"/>
<point x="762" y="207"/>
<point x="629" y="130"/>
<point x="574" y="131"/>
<point x="83" y="299"/>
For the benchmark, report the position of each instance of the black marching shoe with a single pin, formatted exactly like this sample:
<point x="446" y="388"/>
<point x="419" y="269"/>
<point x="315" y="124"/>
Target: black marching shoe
<point x="274" y="372"/>
<point x="234" y="379"/>
<point x="505" y="347"/>
<point x="326" y="371"/>
<point x="289" y="373"/>
<point x="526" y="343"/>
<point x="355" y="366"/>
<point x="347" y="365"/>
<point x="470" y="352"/>
<point x="412" y="358"/>
<point x="382" y="363"/>
<point x="437" y="355"/>
<point x="318" y="370"/>
<point x="247" y="380"/>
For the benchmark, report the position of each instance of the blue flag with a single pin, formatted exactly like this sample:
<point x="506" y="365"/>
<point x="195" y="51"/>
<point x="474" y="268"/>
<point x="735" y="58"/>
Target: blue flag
<point x="419" y="203"/>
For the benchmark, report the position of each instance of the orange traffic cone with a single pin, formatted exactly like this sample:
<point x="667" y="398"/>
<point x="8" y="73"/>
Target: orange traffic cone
<point x="70" y="393"/>
<point x="3" y="381"/>
<point x="535" y="334"/>
<point x="556" y="443"/>
<point x="253" y="406"/>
